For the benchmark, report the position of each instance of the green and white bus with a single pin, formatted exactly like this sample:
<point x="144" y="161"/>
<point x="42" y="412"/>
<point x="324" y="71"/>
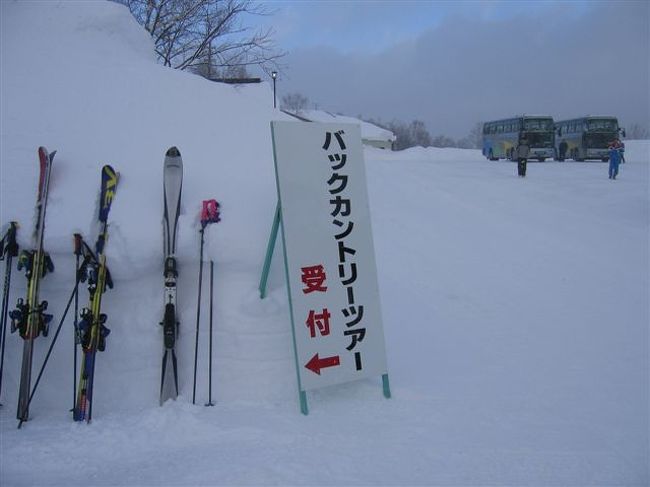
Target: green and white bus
<point x="586" y="137"/>
<point x="501" y="137"/>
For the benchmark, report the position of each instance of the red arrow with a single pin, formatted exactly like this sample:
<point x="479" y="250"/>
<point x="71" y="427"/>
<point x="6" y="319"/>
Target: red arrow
<point x="315" y="364"/>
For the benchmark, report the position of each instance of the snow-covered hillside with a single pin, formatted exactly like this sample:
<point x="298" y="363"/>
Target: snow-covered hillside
<point x="515" y="310"/>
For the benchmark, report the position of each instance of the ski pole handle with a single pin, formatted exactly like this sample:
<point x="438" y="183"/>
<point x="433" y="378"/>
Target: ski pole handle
<point x="12" y="245"/>
<point x="8" y="244"/>
<point x="77" y="244"/>
<point x="210" y="212"/>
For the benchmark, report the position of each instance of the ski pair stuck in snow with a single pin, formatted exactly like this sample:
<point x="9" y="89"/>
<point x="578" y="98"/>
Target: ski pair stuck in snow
<point x="172" y="187"/>
<point x="29" y="317"/>
<point x="92" y="330"/>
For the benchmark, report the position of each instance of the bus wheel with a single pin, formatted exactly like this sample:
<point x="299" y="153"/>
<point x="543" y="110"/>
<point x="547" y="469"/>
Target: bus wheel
<point x="541" y="159"/>
<point x="491" y="156"/>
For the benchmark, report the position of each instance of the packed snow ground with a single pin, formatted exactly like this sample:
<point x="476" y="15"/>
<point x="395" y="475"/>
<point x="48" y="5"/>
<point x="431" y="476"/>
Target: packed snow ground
<point x="515" y="310"/>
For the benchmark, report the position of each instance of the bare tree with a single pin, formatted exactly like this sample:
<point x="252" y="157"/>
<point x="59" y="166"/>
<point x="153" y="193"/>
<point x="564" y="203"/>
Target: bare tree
<point x="294" y="102"/>
<point x="419" y="133"/>
<point x="443" y="141"/>
<point x="403" y="136"/>
<point x="206" y="35"/>
<point x="476" y="136"/>
<point x="409" y="134"/>
<point x="637" y="132"/>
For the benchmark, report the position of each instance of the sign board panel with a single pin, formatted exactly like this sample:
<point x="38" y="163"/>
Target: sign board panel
<point x="329" y="253"/>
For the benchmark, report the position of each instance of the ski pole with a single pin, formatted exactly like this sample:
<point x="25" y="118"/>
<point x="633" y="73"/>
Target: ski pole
<point x="210" y="403"/>
<point x="77" y="252"/>
<point x="209" y="214"/>
<point x="8" y="250"/>
<point x="49" y="351"/>
<point x="198" y="316"/>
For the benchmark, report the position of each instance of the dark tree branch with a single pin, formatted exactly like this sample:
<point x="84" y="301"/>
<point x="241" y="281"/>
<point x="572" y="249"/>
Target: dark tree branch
<point x="206" y="33"/>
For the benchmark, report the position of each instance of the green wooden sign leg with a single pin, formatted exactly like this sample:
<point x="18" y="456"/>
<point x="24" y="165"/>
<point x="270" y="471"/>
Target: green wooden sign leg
<point x="384" y="379"/>
<point x="269" y="251"/>
<point x="304" y="409"/>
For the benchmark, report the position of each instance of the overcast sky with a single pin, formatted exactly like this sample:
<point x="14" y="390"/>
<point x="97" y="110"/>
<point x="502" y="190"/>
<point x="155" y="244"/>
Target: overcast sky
<point x="452" y="64"/>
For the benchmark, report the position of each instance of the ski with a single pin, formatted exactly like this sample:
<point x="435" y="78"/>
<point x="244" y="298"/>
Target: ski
<point x="29" y="317"/>
<point x="172" y="186"/>
<point x="92" y="328"/>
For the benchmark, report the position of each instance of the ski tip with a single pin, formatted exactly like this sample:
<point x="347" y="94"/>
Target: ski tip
<point x="173" y="152"/>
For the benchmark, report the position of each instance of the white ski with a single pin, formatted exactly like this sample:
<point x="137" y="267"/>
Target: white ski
<point x="172" y="186"/>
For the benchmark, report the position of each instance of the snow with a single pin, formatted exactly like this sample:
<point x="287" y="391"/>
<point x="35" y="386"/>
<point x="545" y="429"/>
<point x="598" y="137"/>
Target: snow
<point x="369" y="131"/>
<point x="516" y="311"/>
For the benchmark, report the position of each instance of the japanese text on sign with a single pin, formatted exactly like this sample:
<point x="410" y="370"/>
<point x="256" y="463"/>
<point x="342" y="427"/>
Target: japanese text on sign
<point x="330" y="258"/>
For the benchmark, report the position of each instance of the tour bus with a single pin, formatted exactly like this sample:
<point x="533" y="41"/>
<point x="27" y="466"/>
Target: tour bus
<point x="586" y="137"/>
<point x="501" y="137"/>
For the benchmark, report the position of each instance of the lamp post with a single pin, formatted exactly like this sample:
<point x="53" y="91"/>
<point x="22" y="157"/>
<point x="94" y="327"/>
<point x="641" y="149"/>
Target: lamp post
<point x="274" y="75"/>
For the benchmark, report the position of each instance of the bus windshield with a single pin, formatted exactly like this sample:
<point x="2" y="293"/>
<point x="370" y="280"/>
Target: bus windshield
<point x="598" y="140"/>
<point x="538" y="124"/>
<point x="537" y="139"/>
<point x="603" y="125"/>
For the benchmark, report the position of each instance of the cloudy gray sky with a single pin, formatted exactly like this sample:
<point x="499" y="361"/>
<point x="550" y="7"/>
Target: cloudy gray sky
<point x="452" y="64"/>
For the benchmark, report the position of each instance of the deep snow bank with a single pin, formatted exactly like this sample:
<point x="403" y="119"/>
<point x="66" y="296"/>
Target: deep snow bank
<point x="81" y="78"/>
<point x="95" y="93"/>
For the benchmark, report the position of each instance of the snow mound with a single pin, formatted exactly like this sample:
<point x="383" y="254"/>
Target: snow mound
<point x="87" y="34"/>
<point x="96" y="95"/>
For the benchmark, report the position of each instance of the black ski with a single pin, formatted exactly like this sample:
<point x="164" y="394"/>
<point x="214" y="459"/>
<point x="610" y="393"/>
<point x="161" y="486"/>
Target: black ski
<point x="29" y="317"/>
<point x="172" y="186"/>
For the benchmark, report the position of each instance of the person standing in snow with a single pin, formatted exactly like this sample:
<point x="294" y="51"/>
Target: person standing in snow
<point x="621" y="149"/>
<point x="614" y="160"/>
<point x="563" y="148"/>
<point x="523" y="149"/>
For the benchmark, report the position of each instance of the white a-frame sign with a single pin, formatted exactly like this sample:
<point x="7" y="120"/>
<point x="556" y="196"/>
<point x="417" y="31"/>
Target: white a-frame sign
<point x="329" y="256"/>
